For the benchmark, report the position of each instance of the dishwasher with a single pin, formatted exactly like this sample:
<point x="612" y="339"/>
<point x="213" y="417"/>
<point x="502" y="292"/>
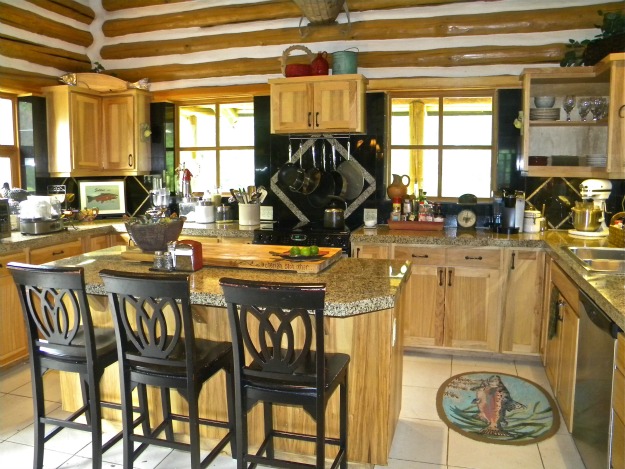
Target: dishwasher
<point x="592" y="410"/>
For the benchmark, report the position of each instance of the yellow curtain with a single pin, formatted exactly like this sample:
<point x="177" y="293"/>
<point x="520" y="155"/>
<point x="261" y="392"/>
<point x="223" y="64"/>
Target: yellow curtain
<point x="416" y="114"/>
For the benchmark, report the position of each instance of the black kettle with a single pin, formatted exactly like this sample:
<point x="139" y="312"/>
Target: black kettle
<point x="334" y="214"/>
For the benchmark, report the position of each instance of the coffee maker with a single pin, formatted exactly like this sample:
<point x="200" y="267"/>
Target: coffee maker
<point x="508" y="208"/>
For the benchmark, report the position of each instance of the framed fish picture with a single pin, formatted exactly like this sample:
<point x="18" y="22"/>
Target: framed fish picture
<point x="109" y="197"/>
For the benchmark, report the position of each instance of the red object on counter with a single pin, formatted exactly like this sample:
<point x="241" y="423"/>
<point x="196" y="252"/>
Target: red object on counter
<point x="320" y="65"/>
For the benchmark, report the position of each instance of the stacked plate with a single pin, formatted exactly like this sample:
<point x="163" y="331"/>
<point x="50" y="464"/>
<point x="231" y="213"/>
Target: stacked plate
<point x="545" y="114"/>
<point x="596" y="160"/>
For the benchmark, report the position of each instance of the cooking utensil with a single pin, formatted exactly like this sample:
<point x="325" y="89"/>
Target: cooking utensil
<point x="353" y="175"/>
<point x="312" y="177"/>
<point x="334" y="214"/>
<point x="585" y="218"/>
<point x="340" y="183"/>
<point x="319" y="198"/>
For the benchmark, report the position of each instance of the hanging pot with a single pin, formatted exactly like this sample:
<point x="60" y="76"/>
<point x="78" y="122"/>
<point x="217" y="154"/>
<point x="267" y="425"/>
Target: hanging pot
<point x="289" y="172"/>
<point x="353" y="175"/>
<point x="334" y="214"/>
<point x="340" y="183"/>
<point x="312" y="177"/>
<point x="320" y="197"/>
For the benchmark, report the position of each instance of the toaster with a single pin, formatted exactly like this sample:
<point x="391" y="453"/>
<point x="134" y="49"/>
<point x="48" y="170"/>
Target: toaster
<point x="186" y="255"/>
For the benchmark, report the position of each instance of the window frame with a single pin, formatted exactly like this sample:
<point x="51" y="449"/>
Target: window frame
<point x="217" y="102"/>
<point x="12" y="151"/>
<point x="440" y="147"/>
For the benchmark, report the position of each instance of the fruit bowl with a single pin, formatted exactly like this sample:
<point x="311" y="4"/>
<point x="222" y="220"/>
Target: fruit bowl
<point x="150" y="237"/>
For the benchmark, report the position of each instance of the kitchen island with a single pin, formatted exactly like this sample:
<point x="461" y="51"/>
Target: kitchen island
<point x="363" y="319"/>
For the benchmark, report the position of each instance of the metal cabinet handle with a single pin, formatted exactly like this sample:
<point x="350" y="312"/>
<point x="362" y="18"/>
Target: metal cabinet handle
<point x="130" y="160"/>
<point x="621" y="114"/>
<point x="56" y="253"/>
<point x="561" y="304"/>
<point x="513" y="256"/>
<point x="441" y="276"/>
<point x="422" y="256"/>
<point x="451" y="273"/>
<point x="357" y="252"/>
<point x="309" y="119"/>
<point x="316" y="119"/>
<point x="469" y="258"/>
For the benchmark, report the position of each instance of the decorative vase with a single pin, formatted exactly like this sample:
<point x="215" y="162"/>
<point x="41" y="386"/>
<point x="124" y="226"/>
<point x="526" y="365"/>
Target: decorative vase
<point x="398" y="188"/>
<point x="320" y="65"/>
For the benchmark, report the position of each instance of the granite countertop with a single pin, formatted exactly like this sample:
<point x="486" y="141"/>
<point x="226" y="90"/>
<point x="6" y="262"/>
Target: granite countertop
<point x="607" y="290"/>
<point x="354" y="286"/>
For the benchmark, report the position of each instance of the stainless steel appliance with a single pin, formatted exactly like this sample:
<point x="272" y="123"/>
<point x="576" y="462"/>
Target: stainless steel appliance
<point x="40" y="215"/>
<point x="38" y="226"/>
<point x="593" y="384"/>
<point x="302" y="234"/>
<point x="5" y="219"/>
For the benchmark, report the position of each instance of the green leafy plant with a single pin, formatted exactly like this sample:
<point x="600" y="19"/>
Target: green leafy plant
<point x="613" y="24"/>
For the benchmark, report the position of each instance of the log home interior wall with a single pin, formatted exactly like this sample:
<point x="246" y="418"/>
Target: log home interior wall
<point x="190" y="50"/>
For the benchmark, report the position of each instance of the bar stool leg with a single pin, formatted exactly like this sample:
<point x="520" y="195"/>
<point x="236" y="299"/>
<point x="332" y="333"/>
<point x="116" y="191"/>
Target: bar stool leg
<point x="39" y="410"/>
<point x="268" y="418"/>
<point x="166" y="405"/>
<point x="321" y="431"/>
<point x="232" y="428"/>
<point x="343" y="422"/>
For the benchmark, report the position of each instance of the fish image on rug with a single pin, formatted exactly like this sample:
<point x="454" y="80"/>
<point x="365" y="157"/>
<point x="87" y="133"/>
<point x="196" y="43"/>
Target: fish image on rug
<point x="497" y="408"/>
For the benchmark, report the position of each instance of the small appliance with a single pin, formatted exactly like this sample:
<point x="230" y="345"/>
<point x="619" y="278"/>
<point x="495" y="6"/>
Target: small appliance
<point x="5" y="219"/>
<point x="595" y="191"/>
<point x="39" y="216"/>
<point x="302" y="234"/>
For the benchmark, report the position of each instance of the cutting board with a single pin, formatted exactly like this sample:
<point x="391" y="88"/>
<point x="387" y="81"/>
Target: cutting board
<point x="251" y="256"/>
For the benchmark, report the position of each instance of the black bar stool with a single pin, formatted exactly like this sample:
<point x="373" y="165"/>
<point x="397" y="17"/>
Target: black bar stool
<point x="265" y="318"/>
<point x="157" y="347"/>
<point x="61" y="337"/>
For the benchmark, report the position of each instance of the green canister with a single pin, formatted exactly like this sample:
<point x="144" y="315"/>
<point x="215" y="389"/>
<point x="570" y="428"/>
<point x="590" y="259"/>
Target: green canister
<point x="344" y="62"/>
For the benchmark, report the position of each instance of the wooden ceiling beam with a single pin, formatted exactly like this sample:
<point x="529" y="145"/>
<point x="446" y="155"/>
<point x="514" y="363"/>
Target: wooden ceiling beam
<point x="21" y="83"/>
<point x="68" y="8"/>
<point x="116" y="5"/>
<point x="43" y="55"/>
<point x="28" y="21"/>
<point x="450" y="26"/>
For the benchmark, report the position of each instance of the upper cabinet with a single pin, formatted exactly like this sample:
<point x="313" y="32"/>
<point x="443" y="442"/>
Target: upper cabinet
<point x="94" y="133"/>
<point x="575" y="148"/>
<point x="328" y="103"/>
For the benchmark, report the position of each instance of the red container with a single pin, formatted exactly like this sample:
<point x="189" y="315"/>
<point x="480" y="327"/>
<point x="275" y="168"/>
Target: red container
<point x="320" y="65"/>
<point x="297" y="70"/>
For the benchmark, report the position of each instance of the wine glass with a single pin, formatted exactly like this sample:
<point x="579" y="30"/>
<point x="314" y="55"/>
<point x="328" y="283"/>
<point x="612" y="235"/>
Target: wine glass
<point x="597" y="105"/>
<point x="583" y="107"/>
<point x="568" y="104"/>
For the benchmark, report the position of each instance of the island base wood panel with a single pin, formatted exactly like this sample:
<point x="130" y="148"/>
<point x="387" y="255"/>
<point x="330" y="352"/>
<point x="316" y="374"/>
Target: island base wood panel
<point x="372" y="340"/>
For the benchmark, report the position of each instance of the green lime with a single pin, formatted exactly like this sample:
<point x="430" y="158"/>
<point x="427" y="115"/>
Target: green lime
<point x="295" y="251"/>
<point x="305" y="251"/>
<point x="314" y="250"/>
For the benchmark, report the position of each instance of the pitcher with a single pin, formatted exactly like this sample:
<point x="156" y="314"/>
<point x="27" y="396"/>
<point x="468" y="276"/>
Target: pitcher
<point x="398" y="188"/>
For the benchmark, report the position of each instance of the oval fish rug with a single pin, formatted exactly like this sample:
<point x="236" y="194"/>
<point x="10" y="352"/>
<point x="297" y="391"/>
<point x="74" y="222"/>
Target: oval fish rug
<point x="497" y="408"/>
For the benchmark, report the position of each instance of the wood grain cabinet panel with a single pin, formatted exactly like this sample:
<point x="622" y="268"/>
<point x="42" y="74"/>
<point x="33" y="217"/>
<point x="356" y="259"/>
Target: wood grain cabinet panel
<point x="618" y="407"/>
<point x="370" y="251"/>
<point x="56" y="252"/>
<point x="13" y="344"/>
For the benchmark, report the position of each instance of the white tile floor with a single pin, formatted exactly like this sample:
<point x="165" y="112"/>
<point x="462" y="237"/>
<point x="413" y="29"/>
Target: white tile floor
<point x="422" y="440"/>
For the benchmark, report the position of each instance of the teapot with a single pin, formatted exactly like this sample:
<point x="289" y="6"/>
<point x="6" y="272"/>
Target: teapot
<point x="320" y="65"/>
<point x="398" y="188"/>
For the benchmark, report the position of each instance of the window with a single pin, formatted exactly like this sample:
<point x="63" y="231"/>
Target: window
<point x="9" y="151"/>
<point x="444" y="143"/>
<point x="216" y="144"/>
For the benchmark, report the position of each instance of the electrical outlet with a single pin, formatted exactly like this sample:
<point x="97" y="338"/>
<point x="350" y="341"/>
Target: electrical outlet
<point x="266" y="212"/>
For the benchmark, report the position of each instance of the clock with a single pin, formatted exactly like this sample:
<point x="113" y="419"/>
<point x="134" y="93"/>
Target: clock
<point x="467" y="218"/>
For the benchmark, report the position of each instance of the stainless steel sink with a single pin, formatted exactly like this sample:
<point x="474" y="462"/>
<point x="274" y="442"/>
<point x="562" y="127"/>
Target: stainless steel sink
<point x="610" y="260"/>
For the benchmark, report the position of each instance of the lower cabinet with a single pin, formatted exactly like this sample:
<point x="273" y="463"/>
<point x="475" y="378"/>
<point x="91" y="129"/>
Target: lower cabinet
<point x="56" y="252"/>
<point x="560" y="351"/>
<point x="370" y="251"/>
<point x="618" y="407"/>
<point x="13" y="344"/>
<point x="455" y="297"/>
<point x="94" y="243"/>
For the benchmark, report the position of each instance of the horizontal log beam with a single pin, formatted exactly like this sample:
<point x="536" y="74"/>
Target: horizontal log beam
<point x="116" y="5"/>
<point x="68" y="8"/>
<point x="28" y="21"/>
<point x="450" y="26"/>
<point x="21" y="83"/>
<point x="455" y="57"/>
<point x="43" y="55"/>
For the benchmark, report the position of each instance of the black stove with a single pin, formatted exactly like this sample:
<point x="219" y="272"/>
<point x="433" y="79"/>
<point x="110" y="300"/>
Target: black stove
<point x="302" y="234"/>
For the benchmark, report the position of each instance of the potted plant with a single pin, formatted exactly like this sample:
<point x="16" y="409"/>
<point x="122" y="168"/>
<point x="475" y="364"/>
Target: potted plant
<point x="590" y="51"/>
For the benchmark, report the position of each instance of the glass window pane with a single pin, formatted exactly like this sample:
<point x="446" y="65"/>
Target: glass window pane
<point x="430" y="173"/>
<point x="414" y="121"/>
<point x="466" y="171"/>
<point x="5" y="170"/>
<point x="467" y="121"/>
<point x="198" y="126"/>
<point x="6" y="117"/>
<point x="236" y="168"/>
<point x="203" y="167"/>
<point x="236" y="124"/>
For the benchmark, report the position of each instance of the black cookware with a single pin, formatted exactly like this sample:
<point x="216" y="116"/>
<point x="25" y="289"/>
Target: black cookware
<point x="319" y="198"/>
<point x="352" y="173"/>
<point x="311" y="177"/>
<point x="340" y="183"/>
<point x="334" y="214"/>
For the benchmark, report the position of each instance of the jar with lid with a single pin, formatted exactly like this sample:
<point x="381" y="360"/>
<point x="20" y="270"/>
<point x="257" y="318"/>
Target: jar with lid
<point x="205" y="212"/>
<point x="224" y="214"/>
<point x="532" y="221"/>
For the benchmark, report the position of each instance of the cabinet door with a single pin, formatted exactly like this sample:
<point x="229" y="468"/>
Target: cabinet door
<point x="424" y="315"/>
<point x="370" y="251"/>
<point x="119" y="133"/>
<point x="523" y="301"/>
<point x="94" y="243"/>
<point x="336" y="106"/>
<point x="616" y="137"/>
<point x="472" y="302"/>
<point x="568" y="360"/>
<point x="85" y="131"/>
<point x="291" y="107"/>
<point x="553" y="345"/>
<point x="13" y="344"/>
<point x="53" y="253"/>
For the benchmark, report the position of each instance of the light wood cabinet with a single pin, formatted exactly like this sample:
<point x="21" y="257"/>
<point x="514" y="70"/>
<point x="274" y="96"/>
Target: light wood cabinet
<point x="318" y="104"/>
<point x="572" y="141"/>
<point x="56" y="252"/>
<point x="618" y="407"/>
<point x="523" y="304"/>
<point x="455" y="297"/>
<point x="92" y="133"/>
<point x="13" y="343"/>
<point x="93" y="243"/>
<point x="560" y="354"/>
<point x="370" y="251"/>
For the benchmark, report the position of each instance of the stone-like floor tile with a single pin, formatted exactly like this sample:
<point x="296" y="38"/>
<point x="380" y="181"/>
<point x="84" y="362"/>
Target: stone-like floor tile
<point x="17" y="456"/>
<point x="465" y="452"/>
<point x="16" y="414"/>
<point x="534" y="372"/>
<point x="76" y="462"/>
<point x="149" y="459"/>
<point x="401" y="464"/>
<point x="477" y="364"/>
<point x="14" y="378"/>
<point x="419" y="403"/>
<point x="420" y="441"/>
<point x="52" y="387"/>
<point x="428" y="371"/>
<point x="559" y="452"/>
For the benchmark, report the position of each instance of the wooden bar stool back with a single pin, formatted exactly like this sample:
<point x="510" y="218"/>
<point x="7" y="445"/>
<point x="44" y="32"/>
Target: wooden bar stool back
<point x="266" y="321"/>
<point x="61" y="337"/>
<point x="157" y="347"/>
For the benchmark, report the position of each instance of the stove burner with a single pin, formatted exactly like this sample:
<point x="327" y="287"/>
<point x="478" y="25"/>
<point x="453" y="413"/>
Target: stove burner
<point x="301" y="234"/>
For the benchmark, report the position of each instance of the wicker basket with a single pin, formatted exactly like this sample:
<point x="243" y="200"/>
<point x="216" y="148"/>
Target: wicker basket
<point x="152" y="237"/>
<point x="616" y="236"/>
<point x="297" y="69"/>
<point x="320" y="11"/>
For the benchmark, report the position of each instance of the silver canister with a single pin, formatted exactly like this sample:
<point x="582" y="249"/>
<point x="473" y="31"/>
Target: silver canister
<point x="224" y="214"/>
<point x="205" y="212"/>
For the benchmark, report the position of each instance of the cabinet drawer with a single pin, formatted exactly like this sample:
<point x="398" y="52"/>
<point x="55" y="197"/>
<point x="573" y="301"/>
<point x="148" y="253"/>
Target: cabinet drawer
<point x="420" y="255"/>
<point x="4" y="260"/>
<point x="567" y="288"/>
<point x="481" y="258"/>
<point x="618" y="394"/>
<point x="620" y="353"/>
<point x="58" y="251"/>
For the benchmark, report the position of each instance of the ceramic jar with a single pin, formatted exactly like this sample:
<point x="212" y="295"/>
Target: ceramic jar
<point x="398" y="188"/>
<point x="320" y="65"/>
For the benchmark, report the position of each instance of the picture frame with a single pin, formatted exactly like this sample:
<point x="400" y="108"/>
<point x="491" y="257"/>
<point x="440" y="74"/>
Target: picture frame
<point x="109" y="197"/>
